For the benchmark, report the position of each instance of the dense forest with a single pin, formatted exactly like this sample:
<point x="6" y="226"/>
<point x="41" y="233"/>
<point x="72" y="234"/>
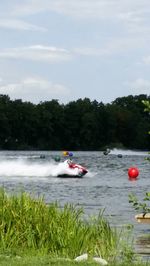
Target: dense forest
<point x="78" y="125"/>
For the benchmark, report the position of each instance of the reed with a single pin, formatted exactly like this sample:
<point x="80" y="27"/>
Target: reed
<point x="27" y="223"/>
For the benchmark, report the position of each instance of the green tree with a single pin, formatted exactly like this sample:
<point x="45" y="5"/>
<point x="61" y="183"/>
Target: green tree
<point x="78" y="125"/>
<point x="137" y="205"/>
<point x="50" y="125"/>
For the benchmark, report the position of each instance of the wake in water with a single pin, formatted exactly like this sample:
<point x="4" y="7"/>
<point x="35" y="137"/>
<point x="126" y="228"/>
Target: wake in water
<point x="30" y="169"/>
<point x="128" y="152"/>
<point x="24" y="168"/>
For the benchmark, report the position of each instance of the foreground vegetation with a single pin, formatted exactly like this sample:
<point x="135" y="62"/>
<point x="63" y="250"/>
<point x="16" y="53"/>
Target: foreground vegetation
<point x="30" y="228"/>
<point x="46" y="260"/>
<point x="78" y="125"/>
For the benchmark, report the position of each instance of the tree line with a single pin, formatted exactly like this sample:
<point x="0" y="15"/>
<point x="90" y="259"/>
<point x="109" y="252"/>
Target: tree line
<point x="78" y="125"/>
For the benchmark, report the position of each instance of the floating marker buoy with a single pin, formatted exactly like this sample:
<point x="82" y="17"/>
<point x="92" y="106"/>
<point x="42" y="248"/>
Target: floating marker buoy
<point x="65" y="153"/>
<point x="133" y="173"/>
<point x="57" y="158"/>
<point x="70" y="153"/>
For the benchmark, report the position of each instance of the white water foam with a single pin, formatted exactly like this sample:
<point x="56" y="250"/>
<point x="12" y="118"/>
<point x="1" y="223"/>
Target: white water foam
<point x="22" y="167"/>
<point x="128" y="152"/>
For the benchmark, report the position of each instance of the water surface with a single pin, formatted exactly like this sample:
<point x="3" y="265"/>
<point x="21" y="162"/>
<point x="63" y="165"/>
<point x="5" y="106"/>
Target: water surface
<point x="105" y="186"/>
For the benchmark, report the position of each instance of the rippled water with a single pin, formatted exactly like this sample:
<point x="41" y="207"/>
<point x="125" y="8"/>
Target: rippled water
<point x="105" y="186"/>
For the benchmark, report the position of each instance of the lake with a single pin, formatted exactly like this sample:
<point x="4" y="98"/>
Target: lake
<point x="105" y="186"/>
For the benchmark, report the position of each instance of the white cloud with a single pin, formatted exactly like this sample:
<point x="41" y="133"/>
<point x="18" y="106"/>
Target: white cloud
<point x="88" y="51"/>
<point x="36" y="53"/>
<point x="112" y="46"/>
<point x="116" y="30"/>
<point x="140" y="86"/>
<point x="125" y="9"/>
<point x="118" y="45"/>
<point x="146" y="60"/>
<point x="34" y="89"/>
<point x="18" y="24"/>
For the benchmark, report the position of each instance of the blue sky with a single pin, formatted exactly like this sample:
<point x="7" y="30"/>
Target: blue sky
<point x="71" y="49"/>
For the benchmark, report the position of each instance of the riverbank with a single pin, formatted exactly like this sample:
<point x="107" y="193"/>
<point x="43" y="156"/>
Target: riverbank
<point x="32" y="230"/>
<point x="46" y="260"/>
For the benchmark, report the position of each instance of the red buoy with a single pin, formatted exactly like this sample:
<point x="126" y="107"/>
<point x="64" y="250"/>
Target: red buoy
<point x="133" y="173"/>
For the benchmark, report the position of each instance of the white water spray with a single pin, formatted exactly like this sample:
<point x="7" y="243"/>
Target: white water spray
<point x="128" y="152"/>
<point x="24" y="168"/>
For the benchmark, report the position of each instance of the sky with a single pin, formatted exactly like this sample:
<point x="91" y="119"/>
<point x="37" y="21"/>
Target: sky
<point x="71" y="49"/>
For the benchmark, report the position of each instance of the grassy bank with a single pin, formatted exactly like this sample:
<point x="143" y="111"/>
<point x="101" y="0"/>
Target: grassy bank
<point x="31" y="231"/>
<point x="46" y="260"/>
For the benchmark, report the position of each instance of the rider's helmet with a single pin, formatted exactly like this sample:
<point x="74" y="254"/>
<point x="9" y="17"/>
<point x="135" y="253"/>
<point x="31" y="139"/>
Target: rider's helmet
<point x="69" y="161"/>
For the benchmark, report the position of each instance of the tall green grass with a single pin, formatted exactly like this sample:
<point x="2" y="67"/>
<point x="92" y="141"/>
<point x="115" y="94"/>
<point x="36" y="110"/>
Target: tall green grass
<point x="27" y="223"/>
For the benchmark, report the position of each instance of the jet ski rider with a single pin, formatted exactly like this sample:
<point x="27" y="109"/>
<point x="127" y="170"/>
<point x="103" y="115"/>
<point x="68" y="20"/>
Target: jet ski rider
<point x="70" y="163"/>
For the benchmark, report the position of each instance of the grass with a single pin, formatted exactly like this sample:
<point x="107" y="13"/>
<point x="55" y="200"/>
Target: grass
<point x="46" y="260"/>
<point x="35" y="233"/>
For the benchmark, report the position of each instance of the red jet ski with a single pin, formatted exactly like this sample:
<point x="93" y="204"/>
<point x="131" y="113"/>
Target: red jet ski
<point x="73" y="170"/>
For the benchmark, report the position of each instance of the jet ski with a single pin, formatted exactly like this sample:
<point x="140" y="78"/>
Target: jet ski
<point x="73" y="170"/>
